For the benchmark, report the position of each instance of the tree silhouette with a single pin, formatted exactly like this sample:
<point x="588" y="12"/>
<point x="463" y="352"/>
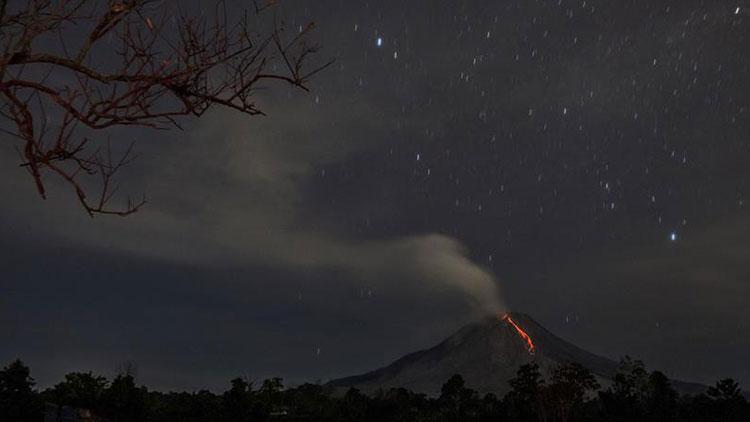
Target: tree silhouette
<point x="727" y="401"/>
<point x="238" y="401"/>
<point x="124" y="401"/>
<point x="270" y="394"/>
<point x="660" y="402"/>
<point x="457" y="402"/>
<point x="308" y="400"/>
<point x="78" y="389"/>
<point x="523" y="400"/>
<point x="18" y="401"/>
<point x="353" y="407"/>
<point x="138" y="64"/>
<point x="725" y="390"/>
<point x="568" y="387"/>
<point x="622" y="401"/>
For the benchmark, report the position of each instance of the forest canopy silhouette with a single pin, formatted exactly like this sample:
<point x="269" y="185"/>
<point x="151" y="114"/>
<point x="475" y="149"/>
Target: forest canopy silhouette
<point x="569" y="392"/>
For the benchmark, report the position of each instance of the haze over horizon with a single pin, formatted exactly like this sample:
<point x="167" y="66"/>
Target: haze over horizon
<point x="582" y="162"/>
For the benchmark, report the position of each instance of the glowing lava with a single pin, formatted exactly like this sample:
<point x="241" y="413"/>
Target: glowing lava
<point x="521" y="333"/>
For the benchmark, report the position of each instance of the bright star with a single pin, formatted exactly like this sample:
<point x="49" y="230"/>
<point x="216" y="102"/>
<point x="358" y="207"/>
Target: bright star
<point x="673" y="237"/>
<point x="379" y="42"/>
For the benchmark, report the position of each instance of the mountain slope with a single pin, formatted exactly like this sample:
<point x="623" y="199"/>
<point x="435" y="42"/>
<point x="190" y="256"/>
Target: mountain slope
<point x="487" y="354"/>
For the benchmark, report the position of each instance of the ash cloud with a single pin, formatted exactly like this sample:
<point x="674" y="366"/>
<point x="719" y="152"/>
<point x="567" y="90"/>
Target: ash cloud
<point x="277" y="165"/>
<point x="241" y="201"/>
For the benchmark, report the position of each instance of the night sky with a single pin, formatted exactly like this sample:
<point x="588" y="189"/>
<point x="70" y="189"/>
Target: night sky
<point x="589" y="159"/>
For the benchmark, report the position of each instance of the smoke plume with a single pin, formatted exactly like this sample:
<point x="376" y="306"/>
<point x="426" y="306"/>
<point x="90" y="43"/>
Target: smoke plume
<point x="241" y="201"/>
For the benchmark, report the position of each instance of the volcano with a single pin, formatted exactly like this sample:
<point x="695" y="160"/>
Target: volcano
<point x="487" y="354"/>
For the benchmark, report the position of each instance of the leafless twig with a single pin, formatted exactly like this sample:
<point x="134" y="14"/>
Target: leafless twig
<point x="154" y="77"/>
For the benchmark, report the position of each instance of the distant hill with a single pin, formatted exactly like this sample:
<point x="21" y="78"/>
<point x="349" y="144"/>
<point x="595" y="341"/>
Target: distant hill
<point x="487" y="354"/>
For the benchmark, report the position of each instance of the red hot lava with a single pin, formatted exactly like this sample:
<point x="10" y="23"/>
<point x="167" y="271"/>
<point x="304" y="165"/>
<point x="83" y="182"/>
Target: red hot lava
<point x="521" y="333"/>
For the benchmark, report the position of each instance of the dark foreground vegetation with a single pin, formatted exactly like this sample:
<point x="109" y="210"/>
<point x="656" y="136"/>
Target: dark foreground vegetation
<point x="568" y="393"/>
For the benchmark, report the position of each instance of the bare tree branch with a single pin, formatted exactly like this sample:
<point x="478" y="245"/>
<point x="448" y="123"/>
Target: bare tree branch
<point x="152" y="79"/>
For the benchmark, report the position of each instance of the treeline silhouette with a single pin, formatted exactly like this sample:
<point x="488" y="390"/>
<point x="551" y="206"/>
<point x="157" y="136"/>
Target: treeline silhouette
<point x="569" y="392"/>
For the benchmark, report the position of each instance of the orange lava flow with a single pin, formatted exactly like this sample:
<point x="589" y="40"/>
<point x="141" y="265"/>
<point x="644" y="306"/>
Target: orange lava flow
<point x="529" y="343"/>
